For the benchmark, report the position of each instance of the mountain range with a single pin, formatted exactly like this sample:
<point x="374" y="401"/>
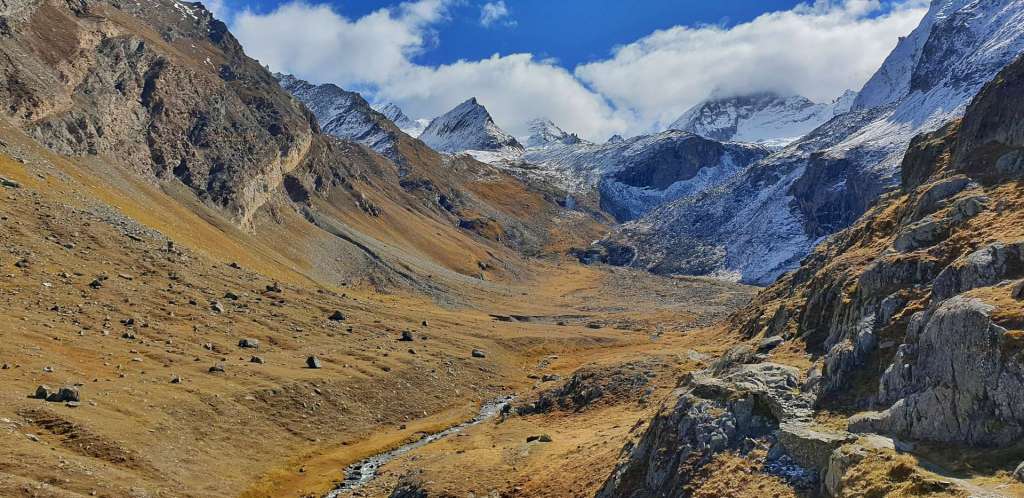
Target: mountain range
<point x="222" y="281"/>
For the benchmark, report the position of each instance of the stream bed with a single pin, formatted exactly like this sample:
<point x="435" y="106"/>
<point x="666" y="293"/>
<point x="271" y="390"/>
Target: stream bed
<point x="362" y="472"/>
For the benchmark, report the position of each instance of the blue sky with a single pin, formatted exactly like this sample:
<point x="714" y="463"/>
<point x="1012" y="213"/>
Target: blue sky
<point x="571" y="31"/>
<point x="594" y="67"/>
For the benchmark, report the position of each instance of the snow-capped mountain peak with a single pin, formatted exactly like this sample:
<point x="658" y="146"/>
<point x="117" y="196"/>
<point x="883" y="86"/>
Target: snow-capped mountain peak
<point x="468" y="127"/>
<point x="766" y="118"/>
<point x="543" y="132"/>
<point x="403" y="121"/>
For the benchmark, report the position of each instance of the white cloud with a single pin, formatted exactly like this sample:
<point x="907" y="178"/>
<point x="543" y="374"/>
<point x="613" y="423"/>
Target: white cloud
<point x="316" y="42"/>
<point x="816" y="50"/>
<point x="492" y="12"/>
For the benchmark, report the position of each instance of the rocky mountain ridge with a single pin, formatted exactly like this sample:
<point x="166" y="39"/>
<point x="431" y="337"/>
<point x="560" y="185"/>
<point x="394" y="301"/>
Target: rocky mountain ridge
<point x="764" y="118"/>
<point x="344" y="114"/>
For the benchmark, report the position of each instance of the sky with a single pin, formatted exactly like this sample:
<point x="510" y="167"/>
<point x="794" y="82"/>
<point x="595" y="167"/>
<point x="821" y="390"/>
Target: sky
<point x="596" y="67"/>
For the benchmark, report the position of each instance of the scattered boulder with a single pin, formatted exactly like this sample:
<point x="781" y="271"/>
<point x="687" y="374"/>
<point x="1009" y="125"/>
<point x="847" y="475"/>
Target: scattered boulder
<point x="1018" y="473"/>
<point x="550" y="377"/>
<point x="248" y="343"/>
<point x="7" y="182"/>
<point x="406" y="336"/>
<point x="42" y="392"/>
<point x="175" y="379"/>
<point x="313" y="362"/>
<point x="217" y="307"/>
<point x="231" y="295"/>
<point x="96" y="283"/>
<point x="256" y="359"/>
<point x="337" y="316"/>
<point x="542" y="438"/>
<point x="275" y="287"/>
<point x="477" y="353"/>
<point x="217" y="368"/>
<point x="67" y="393"/>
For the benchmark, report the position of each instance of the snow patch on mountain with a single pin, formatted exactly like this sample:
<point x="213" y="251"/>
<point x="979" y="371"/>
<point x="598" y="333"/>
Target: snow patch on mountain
<point x="765" y="118"/>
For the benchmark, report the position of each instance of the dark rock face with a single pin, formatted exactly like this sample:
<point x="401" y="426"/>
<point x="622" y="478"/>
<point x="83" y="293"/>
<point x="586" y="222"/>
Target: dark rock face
<point x="657" y="168"/>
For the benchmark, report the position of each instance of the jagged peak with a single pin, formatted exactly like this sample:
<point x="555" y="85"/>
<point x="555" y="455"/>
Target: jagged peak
<point x="468" y="126"/>
<point x="545" y="132"/>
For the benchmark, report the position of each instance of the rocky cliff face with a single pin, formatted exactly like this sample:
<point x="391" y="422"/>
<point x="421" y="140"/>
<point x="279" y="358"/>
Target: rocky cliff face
<point x="150" y="85"/>
<point x="786" y="204"/>
<point x="912" y="318"/>
<point x="764" y="118"/>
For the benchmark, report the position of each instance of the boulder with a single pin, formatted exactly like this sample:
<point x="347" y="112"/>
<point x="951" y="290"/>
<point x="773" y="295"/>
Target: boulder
<point x="256" y="359"/>
<point x="313" y="362"/>
<point x="770" y="343"/>
<point x="42" y="392"/>
<point x="406" y="336"/>
<point x="477" y="353"/>
<point x="811" y="445"/>
<point x="67" y="393"/>
<point x="248" y="343"/>
<point x="337" y="316"/>
<point x="217" y="368"/>
<point x="1018" y="473"/>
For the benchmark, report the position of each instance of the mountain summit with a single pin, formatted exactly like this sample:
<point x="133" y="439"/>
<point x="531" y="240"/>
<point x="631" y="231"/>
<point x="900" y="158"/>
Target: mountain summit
<point x="468" y="127"/>
<point x="765" y="118"/>
<point x="543" y="132"/>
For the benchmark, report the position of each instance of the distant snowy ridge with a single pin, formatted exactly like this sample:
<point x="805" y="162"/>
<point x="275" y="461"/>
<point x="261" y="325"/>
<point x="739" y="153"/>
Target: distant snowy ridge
<point x="468" y="127"/>
<point x="344" y="114"/>
<point x="764" y="118"/>
<point x="544" y="133"/>
<point x="408" y="125"/>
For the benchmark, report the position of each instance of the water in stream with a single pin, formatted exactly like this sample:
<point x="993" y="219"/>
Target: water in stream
<point x="360" y="473"/>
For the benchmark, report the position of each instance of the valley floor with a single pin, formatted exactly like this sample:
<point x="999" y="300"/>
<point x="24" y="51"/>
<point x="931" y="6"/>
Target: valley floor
<point x="90" y="298"/>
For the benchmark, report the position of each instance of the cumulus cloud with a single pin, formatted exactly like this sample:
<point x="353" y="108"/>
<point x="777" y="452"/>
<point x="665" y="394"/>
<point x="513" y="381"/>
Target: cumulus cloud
<point x="492" y="12"/>
<point x="816" y="50"/>
<point x="315" y="41"/>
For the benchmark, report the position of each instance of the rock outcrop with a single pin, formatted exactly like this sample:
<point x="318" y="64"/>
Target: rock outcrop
<point x="913" y="311"/>
<point x="713" y="411"/>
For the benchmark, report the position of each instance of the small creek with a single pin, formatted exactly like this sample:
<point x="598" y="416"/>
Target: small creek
<point x="361" y="473"/>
